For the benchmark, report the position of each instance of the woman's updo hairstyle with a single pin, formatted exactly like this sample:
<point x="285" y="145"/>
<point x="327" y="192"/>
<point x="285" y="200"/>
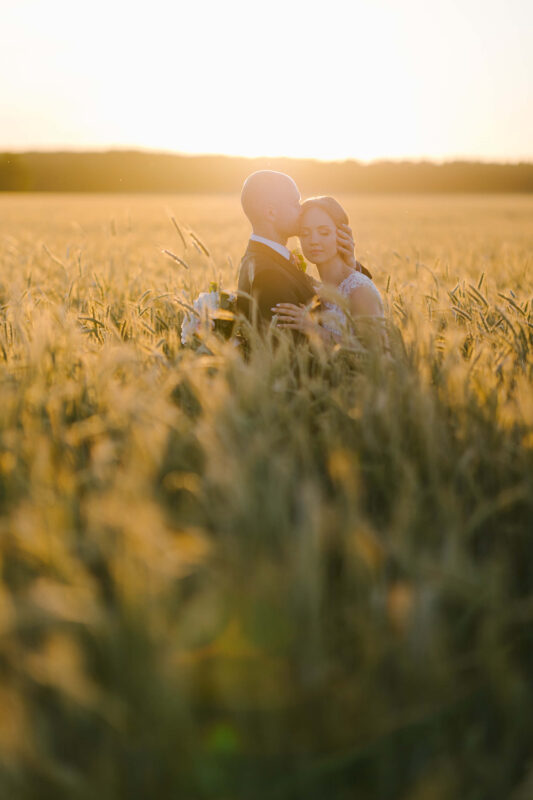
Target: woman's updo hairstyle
<point x="337" y="213"/>
<point x="330" y="206"/>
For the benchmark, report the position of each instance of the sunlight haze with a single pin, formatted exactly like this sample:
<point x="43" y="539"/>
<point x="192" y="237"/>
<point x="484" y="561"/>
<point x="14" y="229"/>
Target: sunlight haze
<point x="334" y="80"/>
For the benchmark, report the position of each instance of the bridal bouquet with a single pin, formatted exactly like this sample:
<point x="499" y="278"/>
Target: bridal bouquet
<point x="211" y="311"/>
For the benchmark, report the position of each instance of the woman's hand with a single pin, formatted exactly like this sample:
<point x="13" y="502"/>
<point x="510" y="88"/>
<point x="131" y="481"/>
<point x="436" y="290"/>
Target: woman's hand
<point x="346" y="246"/>
<point x="292" y="316"/>
<point x="299" y="318"/>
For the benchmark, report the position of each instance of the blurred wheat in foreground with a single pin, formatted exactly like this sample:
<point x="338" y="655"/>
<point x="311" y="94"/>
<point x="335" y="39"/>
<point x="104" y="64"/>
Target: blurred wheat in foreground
<point x="299" y="576"/>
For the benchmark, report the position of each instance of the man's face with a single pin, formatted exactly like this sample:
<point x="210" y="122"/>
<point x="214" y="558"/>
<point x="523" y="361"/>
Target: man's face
<point x="288" y="210"/>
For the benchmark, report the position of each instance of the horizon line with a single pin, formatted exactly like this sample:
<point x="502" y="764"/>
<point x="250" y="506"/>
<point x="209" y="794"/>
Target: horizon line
<point x="339" y="160"/>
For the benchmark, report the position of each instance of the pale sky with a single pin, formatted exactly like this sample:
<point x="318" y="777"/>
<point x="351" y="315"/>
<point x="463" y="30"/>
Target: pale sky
<point x="327" y="79"/>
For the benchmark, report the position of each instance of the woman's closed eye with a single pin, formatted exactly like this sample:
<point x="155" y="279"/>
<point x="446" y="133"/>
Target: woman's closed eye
<point x="321" y="231"/>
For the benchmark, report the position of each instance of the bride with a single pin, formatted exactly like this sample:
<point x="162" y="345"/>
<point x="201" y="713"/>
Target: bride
<point x="341" y="276"/>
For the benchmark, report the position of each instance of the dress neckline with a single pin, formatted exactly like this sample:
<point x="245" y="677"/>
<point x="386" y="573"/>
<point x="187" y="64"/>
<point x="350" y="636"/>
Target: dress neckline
<point x="352" y="273"/>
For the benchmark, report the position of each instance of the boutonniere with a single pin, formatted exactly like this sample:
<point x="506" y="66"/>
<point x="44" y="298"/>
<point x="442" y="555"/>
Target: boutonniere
<point x="299" y="260"/>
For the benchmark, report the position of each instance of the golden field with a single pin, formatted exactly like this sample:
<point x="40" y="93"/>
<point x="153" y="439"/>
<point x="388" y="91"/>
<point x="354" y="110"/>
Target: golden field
<point x="294" y="576"/>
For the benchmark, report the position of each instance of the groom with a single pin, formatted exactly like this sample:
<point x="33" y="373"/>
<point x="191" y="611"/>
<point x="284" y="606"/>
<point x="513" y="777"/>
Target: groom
<point x="268" y="274"/>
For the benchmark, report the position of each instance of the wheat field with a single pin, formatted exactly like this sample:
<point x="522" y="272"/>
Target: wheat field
<point x="298" y="575"/>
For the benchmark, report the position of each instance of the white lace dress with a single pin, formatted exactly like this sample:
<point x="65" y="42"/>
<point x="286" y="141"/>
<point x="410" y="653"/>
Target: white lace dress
<point x="334" y="318"/>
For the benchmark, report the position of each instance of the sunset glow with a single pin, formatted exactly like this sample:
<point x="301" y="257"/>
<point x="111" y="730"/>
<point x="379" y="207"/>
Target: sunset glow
<point x="362" y="80"/>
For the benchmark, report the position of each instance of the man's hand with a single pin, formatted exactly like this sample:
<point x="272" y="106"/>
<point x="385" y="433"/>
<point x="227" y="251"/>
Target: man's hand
<point x="346" y="246"/>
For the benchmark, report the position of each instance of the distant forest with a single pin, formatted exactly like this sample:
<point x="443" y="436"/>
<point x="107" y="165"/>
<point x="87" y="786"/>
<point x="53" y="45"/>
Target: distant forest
<point x="137" y="171"/>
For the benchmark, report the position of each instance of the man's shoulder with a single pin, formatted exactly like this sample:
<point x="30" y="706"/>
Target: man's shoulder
<point x="261" y="261"/>
<point x="259" y="258"/>
<point x="262" y="254"/>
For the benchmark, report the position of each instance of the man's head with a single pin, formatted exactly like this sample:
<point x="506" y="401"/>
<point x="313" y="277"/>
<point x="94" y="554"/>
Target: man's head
<point x="271" y="201"/>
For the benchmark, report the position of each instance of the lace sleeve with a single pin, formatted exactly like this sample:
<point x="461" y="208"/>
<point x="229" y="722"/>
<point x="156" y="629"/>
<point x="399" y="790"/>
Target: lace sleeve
<point x="354" y="281"/>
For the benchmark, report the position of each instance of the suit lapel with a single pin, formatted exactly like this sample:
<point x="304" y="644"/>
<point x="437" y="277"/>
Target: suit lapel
<point x="260" y="249"/>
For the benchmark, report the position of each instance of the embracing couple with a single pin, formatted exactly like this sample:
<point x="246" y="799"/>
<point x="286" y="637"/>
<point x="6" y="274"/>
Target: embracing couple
<point x="273" y="285"/>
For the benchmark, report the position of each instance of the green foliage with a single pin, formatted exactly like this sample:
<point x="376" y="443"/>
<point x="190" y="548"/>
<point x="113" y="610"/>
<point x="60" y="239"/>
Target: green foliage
<point x="302" y="575"/>
<point x="133" y="171"/>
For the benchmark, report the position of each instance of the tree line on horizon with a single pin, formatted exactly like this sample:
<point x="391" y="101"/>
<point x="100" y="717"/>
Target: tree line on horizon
<point x="137" y="171"/>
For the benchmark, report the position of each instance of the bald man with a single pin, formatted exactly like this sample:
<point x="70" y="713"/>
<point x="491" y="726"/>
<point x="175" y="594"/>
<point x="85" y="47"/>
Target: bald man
<point x="271" y="201"/>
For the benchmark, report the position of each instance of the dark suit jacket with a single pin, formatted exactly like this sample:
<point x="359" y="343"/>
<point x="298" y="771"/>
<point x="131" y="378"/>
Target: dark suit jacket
<point x="270" y="278"/>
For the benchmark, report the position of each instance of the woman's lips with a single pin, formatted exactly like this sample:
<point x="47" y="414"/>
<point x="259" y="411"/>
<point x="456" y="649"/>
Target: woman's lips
<point x="315" y="252"/>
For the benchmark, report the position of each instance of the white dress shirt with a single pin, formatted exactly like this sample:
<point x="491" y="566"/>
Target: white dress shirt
<point x="279" y="248"/>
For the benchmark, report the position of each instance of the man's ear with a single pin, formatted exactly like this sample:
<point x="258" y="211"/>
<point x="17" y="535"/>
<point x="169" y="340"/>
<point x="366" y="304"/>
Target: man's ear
<point x="270" y="213"/>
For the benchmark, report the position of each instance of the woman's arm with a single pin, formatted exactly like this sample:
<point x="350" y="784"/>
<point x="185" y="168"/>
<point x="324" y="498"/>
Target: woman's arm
<point x="366" y="308"/>
<point x="365" y="302"/>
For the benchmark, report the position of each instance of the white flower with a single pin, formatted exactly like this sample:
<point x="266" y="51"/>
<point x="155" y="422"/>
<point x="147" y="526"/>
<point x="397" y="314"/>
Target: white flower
<point x="205" y="302"/>
<point x="192" y="324"/>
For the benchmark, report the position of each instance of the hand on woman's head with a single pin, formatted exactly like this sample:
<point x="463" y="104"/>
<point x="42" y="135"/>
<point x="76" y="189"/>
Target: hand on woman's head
<point x="345" y="245"/>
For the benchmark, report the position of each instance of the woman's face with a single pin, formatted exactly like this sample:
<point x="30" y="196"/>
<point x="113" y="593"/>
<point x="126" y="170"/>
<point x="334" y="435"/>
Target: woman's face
<point x="318" y="236"/>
